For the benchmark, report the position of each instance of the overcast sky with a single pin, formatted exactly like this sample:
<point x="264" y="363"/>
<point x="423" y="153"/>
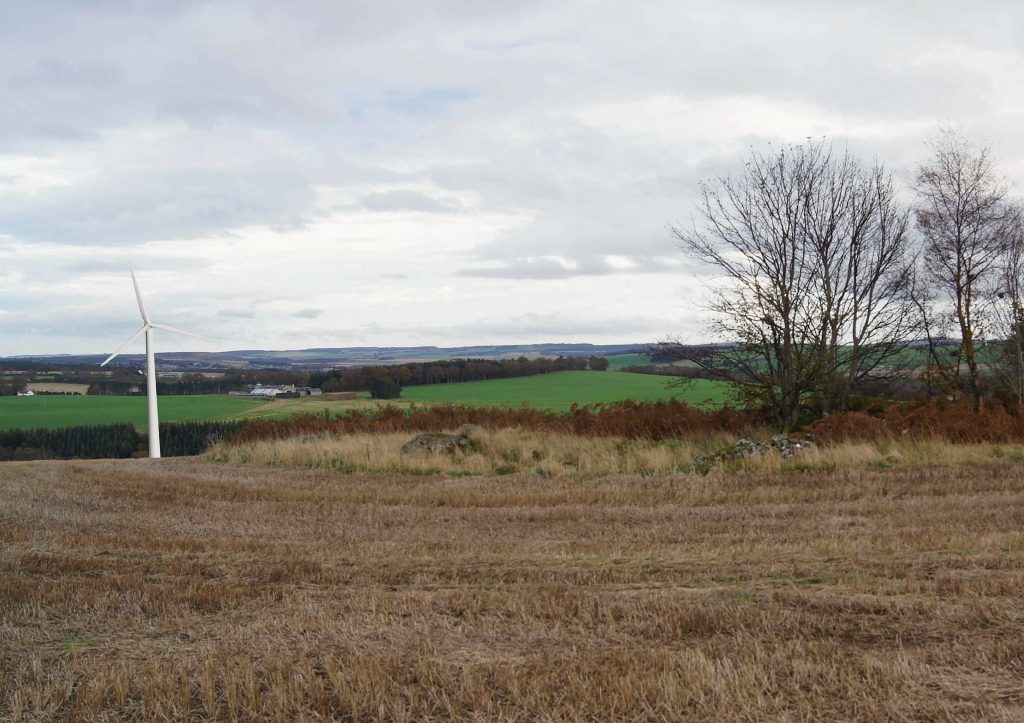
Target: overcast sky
<point x="308" y="174"/>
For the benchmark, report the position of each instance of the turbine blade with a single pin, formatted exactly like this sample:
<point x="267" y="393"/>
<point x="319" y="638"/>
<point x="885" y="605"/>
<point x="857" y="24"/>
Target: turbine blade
<point x="138" y="295"/>
<point x="121" y="348"/>
<point x="177" y="331"/>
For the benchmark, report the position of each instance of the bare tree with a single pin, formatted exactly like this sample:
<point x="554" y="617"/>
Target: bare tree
<point x="940" y="372"/>
<point x="859" y="235"/>
<point x="813" y="295"/>
<point x="1007" y="309"/>
<point x="964" y="220"/>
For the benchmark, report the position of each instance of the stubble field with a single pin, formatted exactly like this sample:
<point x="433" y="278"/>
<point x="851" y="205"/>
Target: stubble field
<point x="152" y="590"/>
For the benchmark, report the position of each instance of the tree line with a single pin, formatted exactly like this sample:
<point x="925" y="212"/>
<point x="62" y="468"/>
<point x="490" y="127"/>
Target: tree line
<point x="127" y="381"/>
<point x="104" y="441"/>
<point x="14" y="385"/>
<point x="825" y="279"/>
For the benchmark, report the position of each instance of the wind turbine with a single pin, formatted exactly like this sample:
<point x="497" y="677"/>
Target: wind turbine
<point x="147" y="329"/>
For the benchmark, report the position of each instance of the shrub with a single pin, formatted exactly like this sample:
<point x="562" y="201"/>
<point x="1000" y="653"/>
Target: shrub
<point x="385" y="389"/>
<point x="181" y="439"/>
<point x="954" y="421"/>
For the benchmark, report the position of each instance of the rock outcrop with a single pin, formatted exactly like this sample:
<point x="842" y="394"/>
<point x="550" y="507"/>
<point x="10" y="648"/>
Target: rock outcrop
<point x="782" y="444"/>
<point x="462" y="441"/>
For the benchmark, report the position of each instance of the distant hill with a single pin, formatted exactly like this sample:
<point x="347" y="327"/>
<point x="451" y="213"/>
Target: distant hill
<point x="309" y="359"/>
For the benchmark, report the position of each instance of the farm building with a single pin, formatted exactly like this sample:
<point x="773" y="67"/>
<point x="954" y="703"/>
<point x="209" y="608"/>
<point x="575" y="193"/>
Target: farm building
<point x="282" y="390"/>
<point x="271" y="391"/>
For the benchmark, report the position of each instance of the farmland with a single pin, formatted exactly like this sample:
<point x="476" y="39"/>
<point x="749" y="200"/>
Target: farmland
<point x="184" y="588"/>
<point x="66" y="411"/>
<point x="559" y="391"/>
<point x="555" y="392"/>
<point x="625" y="360"/>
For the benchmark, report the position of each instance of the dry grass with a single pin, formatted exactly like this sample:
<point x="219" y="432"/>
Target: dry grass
<point x="155" y="590"/>
<point x="503" y="451"/>
<point x="547" y="454"/>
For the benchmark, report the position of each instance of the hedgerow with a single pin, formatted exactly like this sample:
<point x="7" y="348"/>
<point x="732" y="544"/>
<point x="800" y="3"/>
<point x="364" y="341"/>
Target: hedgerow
<point x="952" y="421"/>
<point x="638" y="420"/>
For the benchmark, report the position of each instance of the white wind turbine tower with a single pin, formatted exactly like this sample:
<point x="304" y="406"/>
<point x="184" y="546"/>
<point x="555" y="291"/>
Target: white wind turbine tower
<point x="147" y="329"/>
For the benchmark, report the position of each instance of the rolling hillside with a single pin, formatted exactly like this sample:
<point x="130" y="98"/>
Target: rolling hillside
<point x="553" y="392"/>
<point x="559" y="391"/>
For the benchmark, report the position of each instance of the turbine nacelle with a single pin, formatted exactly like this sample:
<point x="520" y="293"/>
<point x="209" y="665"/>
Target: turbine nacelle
<point x="146" y="325"/>
<point x="143" y="330"/>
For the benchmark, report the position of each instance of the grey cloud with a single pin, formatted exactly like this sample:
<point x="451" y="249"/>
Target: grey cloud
<point x="308" y="314"/>
<point x="149" y="121"/>
<point x="428" y="100"/>
<point x="405" y="200"/>
<point x="513" y="329"/>
<point x="542" y="268"/>
<point x="590" y="228"/>
<point x="528" y="268"/>
<point x="158" y="209"/>
<point x="269" y="89"/>
<point x="549" y="325"/>
<point x="121" y="264"/>
<point x="327" y="337"/>
<point x="238" y="313"/>
<point x="57" y="72"/>
<point x="210" y="184"/>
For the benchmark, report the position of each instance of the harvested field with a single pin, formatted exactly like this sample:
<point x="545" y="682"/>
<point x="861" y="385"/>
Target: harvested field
<point x="148" y="590"/>
<point x="58" y="387"/>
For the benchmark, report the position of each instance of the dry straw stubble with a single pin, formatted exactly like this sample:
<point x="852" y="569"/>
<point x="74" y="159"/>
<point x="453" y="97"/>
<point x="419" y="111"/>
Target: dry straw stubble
<point x="140" y="590"/>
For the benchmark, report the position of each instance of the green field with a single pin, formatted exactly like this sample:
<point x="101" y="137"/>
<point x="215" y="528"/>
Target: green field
<point x="627" y="360"/>
<point x="554" y="392"/>
<point x="560" y="390"/>
<point x="51" y="411"/>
